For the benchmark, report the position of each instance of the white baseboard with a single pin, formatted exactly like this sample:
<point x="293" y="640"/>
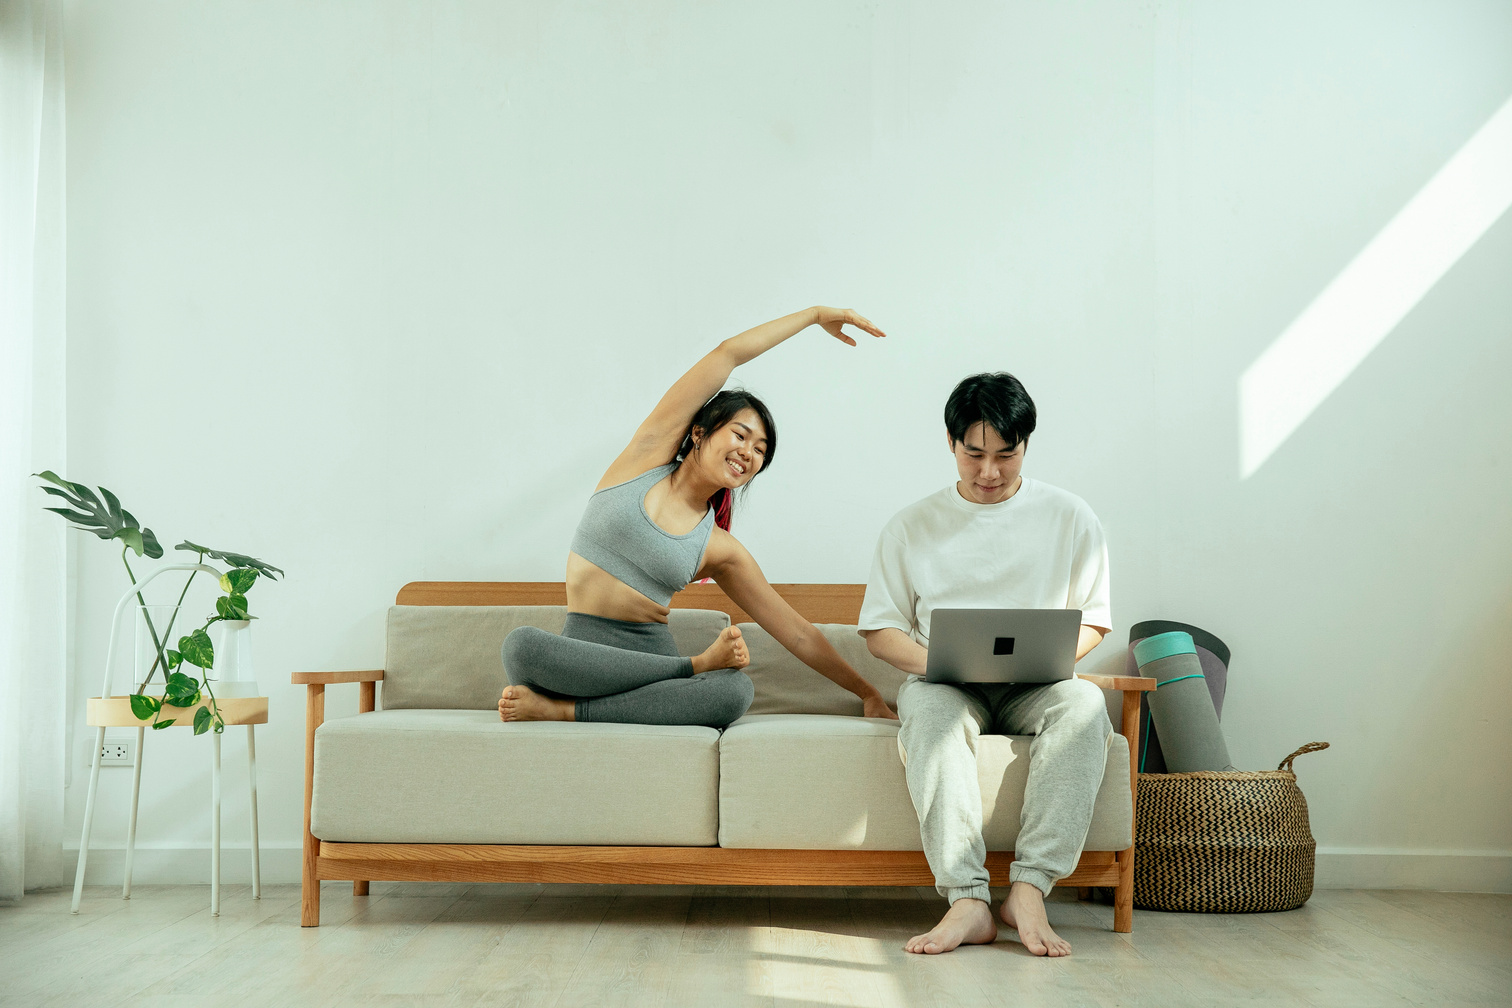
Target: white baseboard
<point x="1337" y="868"/>
<point x="1401" y="868"/>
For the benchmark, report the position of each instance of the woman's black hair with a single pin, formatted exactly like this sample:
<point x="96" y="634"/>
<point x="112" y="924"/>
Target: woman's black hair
<point x="713" y="415"/>
<point x="997" y="399"/>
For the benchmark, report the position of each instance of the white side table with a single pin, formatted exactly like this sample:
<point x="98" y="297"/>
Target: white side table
<point x="115" y="712"/>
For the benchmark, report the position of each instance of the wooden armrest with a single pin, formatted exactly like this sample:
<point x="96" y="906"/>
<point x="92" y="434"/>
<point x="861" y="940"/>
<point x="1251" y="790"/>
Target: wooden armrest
<point x="1137" y="683"/>
<point x="314" y="678"/>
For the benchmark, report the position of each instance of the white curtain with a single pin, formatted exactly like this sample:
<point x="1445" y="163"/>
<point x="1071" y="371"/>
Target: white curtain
<point x="33" y="625"/>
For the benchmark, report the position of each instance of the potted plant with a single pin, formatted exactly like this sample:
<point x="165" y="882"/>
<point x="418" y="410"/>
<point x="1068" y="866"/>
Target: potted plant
<point x="103" y="515"/>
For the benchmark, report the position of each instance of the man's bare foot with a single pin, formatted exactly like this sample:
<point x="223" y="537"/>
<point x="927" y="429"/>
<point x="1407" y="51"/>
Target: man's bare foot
<point x="967" y="922"/>
<point x="727" y="651"/>
<point x="521" y="703"/>
<point x="1024" y="911"/>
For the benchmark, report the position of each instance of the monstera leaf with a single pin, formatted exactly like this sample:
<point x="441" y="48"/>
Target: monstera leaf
<point x="234" y="559"/>
<point x="105" y="518"/>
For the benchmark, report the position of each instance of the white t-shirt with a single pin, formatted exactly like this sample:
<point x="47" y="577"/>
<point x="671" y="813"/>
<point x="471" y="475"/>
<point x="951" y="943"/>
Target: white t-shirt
<point x="1042" y="548"/>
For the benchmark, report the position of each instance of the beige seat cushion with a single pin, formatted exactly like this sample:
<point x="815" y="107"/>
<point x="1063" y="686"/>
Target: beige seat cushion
<point x="818" y="782"/>
<point x="784" y="685"/>
<point x="462" y="776"/>
<point x="447" y="657"/>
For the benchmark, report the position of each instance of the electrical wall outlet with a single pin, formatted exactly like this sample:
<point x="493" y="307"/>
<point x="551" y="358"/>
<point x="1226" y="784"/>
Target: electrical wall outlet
<point x="118" y="752"/>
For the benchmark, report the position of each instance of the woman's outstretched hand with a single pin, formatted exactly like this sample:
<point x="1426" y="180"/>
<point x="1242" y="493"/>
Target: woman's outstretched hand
<point x="832" y="319"/>
<point x="875" y="706"/>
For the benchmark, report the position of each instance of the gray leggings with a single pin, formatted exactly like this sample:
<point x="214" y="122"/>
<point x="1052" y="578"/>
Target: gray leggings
<point x="628" y="673"/>
<point x="938" y="737"/>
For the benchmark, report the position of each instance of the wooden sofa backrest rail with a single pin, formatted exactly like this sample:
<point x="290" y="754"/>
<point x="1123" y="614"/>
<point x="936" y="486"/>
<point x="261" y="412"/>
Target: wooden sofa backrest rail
<point x="817" y="603"/>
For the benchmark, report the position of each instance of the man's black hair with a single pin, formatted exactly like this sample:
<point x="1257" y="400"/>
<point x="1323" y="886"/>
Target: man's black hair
<point x="997" y="399"/>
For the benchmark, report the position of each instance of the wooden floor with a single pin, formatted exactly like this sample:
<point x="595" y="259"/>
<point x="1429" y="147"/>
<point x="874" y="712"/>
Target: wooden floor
<point x="461" y="945"/>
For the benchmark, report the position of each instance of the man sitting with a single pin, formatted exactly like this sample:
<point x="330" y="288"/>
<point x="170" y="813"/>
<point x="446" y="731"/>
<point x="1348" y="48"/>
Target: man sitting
<point x="993" y="540"/>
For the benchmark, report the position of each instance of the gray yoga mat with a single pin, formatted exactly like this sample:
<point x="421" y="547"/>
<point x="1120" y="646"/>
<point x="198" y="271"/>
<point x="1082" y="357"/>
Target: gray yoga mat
<point x="1214" y="655"/>
<point x="1181" y="708"/>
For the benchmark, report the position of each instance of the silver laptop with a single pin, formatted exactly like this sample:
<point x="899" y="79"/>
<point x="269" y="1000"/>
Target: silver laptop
<point x="1002" y="645"/>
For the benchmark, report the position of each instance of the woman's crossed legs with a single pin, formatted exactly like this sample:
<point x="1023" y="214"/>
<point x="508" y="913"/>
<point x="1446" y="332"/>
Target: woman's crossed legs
<point x="600" y="669"/>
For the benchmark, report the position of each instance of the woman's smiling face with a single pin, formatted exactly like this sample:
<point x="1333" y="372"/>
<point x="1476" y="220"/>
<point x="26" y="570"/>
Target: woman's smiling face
<point x="734" y="453"/>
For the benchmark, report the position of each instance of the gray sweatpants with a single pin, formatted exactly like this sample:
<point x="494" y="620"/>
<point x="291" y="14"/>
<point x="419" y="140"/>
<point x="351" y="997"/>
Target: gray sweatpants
<point x="629" y="673"/>
<point x="941" y="722"/>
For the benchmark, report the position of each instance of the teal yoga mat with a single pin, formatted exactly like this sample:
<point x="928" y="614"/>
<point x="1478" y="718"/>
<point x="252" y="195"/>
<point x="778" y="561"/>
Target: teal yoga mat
<point x="1181" y="708"/>
<point x="1214" y="655"/>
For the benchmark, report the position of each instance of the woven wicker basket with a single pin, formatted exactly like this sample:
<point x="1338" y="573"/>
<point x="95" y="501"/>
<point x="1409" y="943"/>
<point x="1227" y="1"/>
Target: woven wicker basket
<point x="1223" y="842"/>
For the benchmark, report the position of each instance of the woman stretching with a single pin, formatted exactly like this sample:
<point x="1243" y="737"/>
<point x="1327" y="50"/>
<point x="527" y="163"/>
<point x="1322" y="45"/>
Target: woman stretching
<point x="660" y="518"/>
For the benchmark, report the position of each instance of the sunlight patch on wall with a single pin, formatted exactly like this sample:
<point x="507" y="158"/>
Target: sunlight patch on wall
<point x="1314" y="355"/>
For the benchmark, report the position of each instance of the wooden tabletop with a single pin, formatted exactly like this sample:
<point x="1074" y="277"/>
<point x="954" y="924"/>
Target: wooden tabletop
<point x="115" y="712"/>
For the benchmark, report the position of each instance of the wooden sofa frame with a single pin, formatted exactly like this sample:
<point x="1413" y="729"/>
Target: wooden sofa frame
<point x="818" y="603"/>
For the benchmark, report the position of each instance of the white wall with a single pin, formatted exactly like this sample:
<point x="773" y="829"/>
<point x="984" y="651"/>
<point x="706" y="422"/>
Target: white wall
<point x="376" y="291"/>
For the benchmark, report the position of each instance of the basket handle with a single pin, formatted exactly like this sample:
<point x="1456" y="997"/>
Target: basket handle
<point x="1286" y="764"/>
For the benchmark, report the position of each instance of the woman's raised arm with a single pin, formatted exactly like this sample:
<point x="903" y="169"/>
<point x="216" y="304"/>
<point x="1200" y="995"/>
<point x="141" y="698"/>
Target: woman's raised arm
<point x="656" y="440"/>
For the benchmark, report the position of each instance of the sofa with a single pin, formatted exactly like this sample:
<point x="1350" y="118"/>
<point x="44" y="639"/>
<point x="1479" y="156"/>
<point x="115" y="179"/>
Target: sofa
<point x="432" y="786"/>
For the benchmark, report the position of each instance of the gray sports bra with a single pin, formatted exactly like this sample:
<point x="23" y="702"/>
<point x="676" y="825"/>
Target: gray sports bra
<point x="617" y="535"/>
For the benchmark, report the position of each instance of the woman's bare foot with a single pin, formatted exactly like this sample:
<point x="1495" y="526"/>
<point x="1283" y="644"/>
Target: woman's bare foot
<point x="967" y="922"/>
<point x="1024" y="911"/>
<point x="521" y="703"/>
<point x="727" y="651"/>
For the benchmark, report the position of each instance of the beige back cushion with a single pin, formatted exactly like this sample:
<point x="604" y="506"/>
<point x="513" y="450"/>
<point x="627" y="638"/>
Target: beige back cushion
<point x="447" y="657"/>
<point x="784" y="685"/>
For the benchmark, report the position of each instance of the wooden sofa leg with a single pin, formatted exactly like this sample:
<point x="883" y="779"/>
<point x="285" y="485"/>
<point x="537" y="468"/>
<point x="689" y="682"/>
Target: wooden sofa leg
<point x="309" y="903"/>
<point x="1123" y="895"/>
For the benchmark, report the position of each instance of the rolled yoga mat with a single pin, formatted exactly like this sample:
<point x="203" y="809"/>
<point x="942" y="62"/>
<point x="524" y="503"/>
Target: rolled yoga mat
<point x="1214" y="655"/>
<point x="1181" y="707"/>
